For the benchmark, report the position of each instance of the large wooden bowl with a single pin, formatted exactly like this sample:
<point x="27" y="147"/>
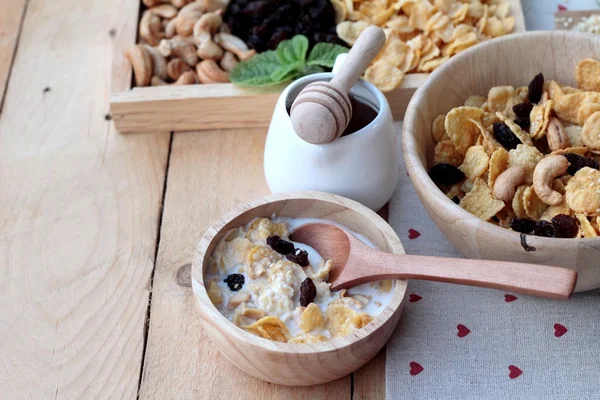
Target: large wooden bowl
<point x="511" y="60"/>
<point x="298" y="364"/>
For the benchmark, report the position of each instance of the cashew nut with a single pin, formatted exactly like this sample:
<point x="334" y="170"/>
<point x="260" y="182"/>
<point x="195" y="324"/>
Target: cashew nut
<point x="187" y="18"/>
<point x="187" y="78"/>
<point x="176" y="3"/>
<point x="141" y="61"/>
<point x="159" y="65"/>
<point x="164" y="11"/>
<point x="176" y="67"/>
<point x="209" y="22"/>
<point x="557" y="137"/>
<point x="151" y="28"/>
<point x="228" y="62"/>
<point x="209" y="50"/>
<point x="545" y="171"/>
<point x="180" y="3"/>
<point x="156" y="81"/>
<point x="234" y="44"/>
<point x="213" y="5"/>
<point x="238" y="299"/>
<point x="507" y="183"/>
<point x="210" y="69"/>
<point x="170" y="29"/>
<point x="179" y="48"/>
<point x="225" y="29"/>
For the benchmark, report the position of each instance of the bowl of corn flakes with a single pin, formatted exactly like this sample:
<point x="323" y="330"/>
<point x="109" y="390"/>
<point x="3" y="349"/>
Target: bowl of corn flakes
<point x="502" y="145"/>
<point x="265" y="302"/>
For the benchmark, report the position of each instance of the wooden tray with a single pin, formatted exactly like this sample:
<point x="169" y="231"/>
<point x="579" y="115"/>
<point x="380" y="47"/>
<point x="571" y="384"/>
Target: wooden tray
<point x="210" y="106"/>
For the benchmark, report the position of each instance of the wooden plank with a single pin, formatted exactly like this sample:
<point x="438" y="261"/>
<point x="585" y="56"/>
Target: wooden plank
<point x="205" y="107"/>
<point x="369" y="381"/>
<point x="11" y="16"/>
<point x="208" y="175"/>
<point x="80" y="207"/>
<point x="566" y="20"/>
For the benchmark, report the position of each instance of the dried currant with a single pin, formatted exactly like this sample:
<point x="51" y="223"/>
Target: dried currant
<point x="308" y="292"/>
<point x="446" y="174"/>
<point x="578" y="161"/>
<point x="235" y="282"/>
<point x="536" y="88"/>
<point x="565" y="225"/>
<point x="456" y="199"/>
<point x="545" y="229"/>
<point x="522" y="225"/>
<point x="524" y="123"/>
<point x="279" y="245"/>
<point x="523" y="110"/>
<point x="299" y="257"/>
<point x="505" y="136"/>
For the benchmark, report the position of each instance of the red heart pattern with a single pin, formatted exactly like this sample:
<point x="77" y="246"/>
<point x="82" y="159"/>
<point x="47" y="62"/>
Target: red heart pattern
<point x="560" y="330"/>
<point x="415" y="368"/>
<point x="462" y="331"/>
<point x="412" y="234"/>
<point x="413" y="298"/>
<point x="514" y="372"/>
<point x="509" y="298"/>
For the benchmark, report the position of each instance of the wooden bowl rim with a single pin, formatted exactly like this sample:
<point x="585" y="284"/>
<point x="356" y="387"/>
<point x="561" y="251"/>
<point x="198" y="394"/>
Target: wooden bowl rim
<point x="417" y="172"/>
<point x="333" y="345"/>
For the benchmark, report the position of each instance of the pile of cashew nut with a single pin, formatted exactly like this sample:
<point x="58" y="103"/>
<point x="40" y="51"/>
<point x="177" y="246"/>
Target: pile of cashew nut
<point x="184" y="42"/>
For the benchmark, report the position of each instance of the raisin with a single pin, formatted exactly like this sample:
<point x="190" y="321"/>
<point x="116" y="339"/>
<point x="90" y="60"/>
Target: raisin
<point x="235" y="282"/>
<point x="505" y="136"/>
<point x="279" y="245"/>
<point x="495" y="219"/>
<point x="545" y="229"/>
<point x="523" y="110"/>
<point x="524" y="123"/>
<point x="536" y="88"/>
<point x="446" y="174"/>
<point x="565" y="226"/>
<point x="577" y="162"/>
<point x="522" y="225"/>
<point x="456" y="199"/>
<point x="308" y="292"/>
<point x="299" y="257"/>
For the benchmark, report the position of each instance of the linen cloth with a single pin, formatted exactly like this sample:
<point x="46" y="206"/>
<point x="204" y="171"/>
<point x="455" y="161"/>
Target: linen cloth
<point x="457" y="342"/>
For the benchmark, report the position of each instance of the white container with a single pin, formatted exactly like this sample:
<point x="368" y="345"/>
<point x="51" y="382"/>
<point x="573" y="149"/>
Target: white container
<point x="363" y="166"/>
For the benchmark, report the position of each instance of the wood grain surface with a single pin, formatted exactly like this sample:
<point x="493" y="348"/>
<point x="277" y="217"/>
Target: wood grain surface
<point x="80" y="207"/>
<point x="11" y="17"/>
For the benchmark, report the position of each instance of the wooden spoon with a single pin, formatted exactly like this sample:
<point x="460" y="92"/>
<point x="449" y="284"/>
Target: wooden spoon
<point x="355" y="263"/>
<point x="322" y="110"/>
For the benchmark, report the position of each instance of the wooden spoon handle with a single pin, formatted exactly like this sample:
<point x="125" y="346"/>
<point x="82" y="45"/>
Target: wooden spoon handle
<point x="530" y="279"/>
<point x="367" y="46"/>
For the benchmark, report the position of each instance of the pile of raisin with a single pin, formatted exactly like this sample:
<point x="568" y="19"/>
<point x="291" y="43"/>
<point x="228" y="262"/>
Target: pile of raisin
<point x="235" y="282"/>
<point x="505" y="136"/>
<point x="263" y="24"/>
<point x="523" y="111"/>
<point x="446" y="174"/>
<point x="308" y="292"/>
<point x="577" y="162"/>
<point x="562" y="226"/>
<point x="288" y="250"/>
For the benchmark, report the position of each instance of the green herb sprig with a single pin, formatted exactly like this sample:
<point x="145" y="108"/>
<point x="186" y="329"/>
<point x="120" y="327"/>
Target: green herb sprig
<point x="285" y="63"/>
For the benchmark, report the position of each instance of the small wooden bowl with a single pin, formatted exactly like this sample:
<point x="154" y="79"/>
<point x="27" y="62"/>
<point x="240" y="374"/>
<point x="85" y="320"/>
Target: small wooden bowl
<point x="298" y="364"/>
<point x="511" y="60"/>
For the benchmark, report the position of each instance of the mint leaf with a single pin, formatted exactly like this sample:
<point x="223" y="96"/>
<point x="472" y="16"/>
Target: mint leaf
<point x="307" y="70"/>
<point x="293" y="50"/>
<point x="257" y="71"/>
<point x="324" y="54"/>
<point x="285" y="72"/>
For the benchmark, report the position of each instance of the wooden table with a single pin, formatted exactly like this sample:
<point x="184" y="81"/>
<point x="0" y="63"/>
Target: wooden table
<point x="97" y="229"/>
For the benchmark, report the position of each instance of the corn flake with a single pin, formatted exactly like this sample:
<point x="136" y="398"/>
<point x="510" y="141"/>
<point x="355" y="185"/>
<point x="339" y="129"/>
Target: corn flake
<point x="534" y="207"/>
<point x="586" y="227"/>
<point x="311" y="319"/>
<point x="498" y="164"/>
<point x="540" y="116"/>
<point x="383" y="75"/>
<point x="446" y="153"/>
<point x="271" y="328"/>
<point x="585" y="111"/>
<point x="574" y="134"/>
<point x="526" y="157"/>
<point x="349" y="31"/>
<point x="460" y="129"/>
<point x="475" y="101"/>
<point x="480" y="202"/>
<point x="590" y="134"/>
<point x="438" y="129"/>
<point x="475" y="163"/>
<point x="587" y="74"/>
<point x="583" y="192"/>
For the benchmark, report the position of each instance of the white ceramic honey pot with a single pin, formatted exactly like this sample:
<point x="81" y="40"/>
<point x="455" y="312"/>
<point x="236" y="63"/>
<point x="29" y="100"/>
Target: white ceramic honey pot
<point x="363" y="166"/>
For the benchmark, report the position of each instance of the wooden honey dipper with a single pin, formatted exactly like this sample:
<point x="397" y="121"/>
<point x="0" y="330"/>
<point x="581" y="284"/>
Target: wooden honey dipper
<point x="322" y="110"/>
